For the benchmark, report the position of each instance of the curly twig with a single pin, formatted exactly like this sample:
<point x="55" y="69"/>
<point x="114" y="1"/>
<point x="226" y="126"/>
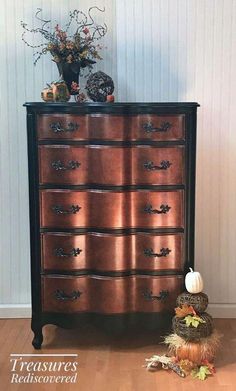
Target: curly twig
<point x="45" y="22"/>
<point x="56" y="39"/>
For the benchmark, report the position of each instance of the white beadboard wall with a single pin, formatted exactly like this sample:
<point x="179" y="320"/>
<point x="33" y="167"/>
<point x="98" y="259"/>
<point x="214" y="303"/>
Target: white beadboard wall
<point x="185" y="50"/>
<point x="158" y="50"/>
<point x="21" y="82"/>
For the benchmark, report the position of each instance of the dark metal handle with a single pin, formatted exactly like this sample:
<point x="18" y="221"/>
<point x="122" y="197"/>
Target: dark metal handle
<point x="163" y="252"/>
<point x="148" y="295"/>
<point x="163" y="209"/>
<point x="59" y="166"/>
<point x="59" y="252"/>
<point x="62" y="296"/>
<point x="56" y="127"/>
<point x="73" y="209"/>
<point x="150" y="128"/>
<point x="150" y="166"/>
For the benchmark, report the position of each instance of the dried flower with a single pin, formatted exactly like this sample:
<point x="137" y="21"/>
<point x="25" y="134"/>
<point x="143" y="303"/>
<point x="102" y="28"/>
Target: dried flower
<point x="69" y="45"/>
<point x="86" y="30"/>
<point x="58" y="42"/>
<point x="50" y="46"/>
<point x="62" y="46"/>
<point x="75" y="87"/>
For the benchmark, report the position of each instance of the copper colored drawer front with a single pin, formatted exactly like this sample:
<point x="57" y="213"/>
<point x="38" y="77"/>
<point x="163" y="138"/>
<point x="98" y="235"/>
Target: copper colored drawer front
<point x="107" y="252"/>
<point x="110" y="295"/>
<point x="111" y="127"/>
<point x="111" y="165"/>
<point x="105" y="209"/>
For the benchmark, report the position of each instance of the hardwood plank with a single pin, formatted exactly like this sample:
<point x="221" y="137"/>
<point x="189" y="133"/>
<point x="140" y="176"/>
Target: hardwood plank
<point x="112" y="362"/>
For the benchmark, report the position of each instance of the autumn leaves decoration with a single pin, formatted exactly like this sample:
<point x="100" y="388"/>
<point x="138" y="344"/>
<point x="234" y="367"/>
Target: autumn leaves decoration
<point x="193" y="344"/>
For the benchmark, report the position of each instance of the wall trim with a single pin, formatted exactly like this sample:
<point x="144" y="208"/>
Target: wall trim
<point x="15" y="311"/>
<point x="217" y="310"/>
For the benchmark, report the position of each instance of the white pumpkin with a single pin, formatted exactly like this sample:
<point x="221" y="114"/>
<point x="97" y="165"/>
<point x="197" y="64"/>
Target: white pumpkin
<point x="193" y="282"/>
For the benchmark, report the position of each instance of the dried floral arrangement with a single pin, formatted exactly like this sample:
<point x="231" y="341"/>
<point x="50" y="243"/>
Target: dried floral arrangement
<point x="79" y="48"/>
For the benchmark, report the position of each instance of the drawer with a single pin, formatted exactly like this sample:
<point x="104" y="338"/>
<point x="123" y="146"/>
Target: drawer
<point x="111" y="165"/>
<point x="96" y="294"/>
<point x="111" y="209"/>
<point x="111" y="127"/>
<point x="110" y="252"/>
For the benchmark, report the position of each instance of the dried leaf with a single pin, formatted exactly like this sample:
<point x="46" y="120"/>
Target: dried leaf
<point x="209" y="365"/>
<point x="187" y="366"/>
<point x="201" y="373"/>
<point x="193" y="320"/>
<point x="186" y="309"/>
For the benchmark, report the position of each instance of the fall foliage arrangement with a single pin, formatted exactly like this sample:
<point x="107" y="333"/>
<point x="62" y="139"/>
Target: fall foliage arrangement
<point x="193" y="344"/>
<point x="75" y="44"/>
<point x="72" y="48"/>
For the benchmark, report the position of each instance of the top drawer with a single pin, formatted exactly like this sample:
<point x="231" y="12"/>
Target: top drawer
<point x="111" y="127"/>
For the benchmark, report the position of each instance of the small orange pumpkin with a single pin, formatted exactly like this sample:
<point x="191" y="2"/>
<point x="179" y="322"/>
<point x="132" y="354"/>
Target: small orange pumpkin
<point x="193" y="351"/>
<point x="47" y="94"/>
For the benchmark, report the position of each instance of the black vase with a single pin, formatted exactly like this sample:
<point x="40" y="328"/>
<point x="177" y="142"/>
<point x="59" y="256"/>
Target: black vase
<point x="69" y="72"/>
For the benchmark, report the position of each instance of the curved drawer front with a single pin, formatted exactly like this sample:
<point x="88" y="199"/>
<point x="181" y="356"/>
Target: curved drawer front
<point x="107" y="252"/>
<point x="111" y="165"/>
<point x="110" y="295"/>
<point x="110" y="209"/>
<point x="110" y="127"/>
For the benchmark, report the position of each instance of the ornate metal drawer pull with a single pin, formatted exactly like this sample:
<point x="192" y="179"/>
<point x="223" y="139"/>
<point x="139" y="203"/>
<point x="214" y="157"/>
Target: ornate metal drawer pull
<point x="163" y="209"/>
<point x="62" y="296"/>
<point x="59" y="252"/>
<point x="56" y="127"/>
<point x="163" y="252"/>
<point x="59" y="166"/>
<point x="150" y="166"/>
<point x="148" y="295"/>
<point x="149" y="127"/>
<point x="73" y="209"/>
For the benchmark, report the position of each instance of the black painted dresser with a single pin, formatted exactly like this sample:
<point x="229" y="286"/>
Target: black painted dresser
<point x="111" y="212"/>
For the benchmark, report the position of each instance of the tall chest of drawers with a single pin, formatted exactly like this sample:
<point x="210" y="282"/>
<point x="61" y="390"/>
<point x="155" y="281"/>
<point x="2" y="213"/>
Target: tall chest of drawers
<point x="111" y="212"/>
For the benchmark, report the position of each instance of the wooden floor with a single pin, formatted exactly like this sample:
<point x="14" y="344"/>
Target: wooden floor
<point x="112" y="363"/>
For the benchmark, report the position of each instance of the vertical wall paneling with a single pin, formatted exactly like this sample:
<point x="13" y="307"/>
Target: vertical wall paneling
<point x="191" y="57"/>
<point x="20" y="82"/>
<point x="157" y="50"/>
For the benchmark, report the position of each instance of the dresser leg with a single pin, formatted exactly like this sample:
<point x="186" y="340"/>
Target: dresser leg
<point x="38" y="339"/>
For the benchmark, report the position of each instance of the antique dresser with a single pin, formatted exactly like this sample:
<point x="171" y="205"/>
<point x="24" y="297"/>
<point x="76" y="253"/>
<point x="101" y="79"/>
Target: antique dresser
<point x="111" y="212"/>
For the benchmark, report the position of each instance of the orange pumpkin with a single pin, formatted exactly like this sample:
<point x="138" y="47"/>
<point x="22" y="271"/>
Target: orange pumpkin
<point x="47" y="94"/>
<point x="193" y="351"/>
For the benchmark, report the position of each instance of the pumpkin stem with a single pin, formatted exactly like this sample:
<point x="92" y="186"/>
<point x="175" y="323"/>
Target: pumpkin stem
<point x="191" y="270"/>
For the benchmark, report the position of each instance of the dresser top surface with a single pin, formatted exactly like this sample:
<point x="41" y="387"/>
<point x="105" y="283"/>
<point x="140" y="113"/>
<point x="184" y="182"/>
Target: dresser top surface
<point x="111" y="105"/>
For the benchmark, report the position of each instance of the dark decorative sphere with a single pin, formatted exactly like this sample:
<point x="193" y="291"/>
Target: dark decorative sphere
<point x="98" y="86"/>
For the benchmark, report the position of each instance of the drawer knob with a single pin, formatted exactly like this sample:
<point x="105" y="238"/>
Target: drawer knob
<point x="73" y="209"/>
<point x="148" y="295"/>
<point x="163" y="252"/>
<point x="163" y="209"/>
<point x="59" y="252"/>
<point x="58" y="165"/>
<point x="56" y="127"/>
<point x="150" y="166"/>
<point x="62" y="296"/>
<point x="150" y="128"/>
